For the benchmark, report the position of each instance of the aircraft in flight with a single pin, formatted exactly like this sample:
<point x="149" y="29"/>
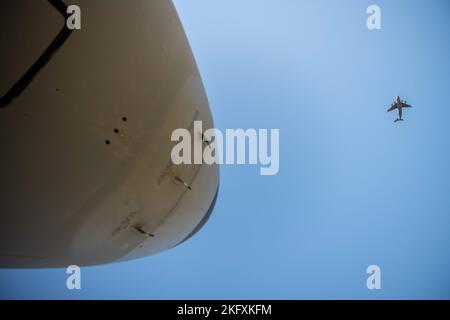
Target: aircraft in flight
<point x="399" y="104"/>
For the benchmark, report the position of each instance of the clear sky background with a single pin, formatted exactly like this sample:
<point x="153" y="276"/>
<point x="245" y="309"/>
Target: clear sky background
<point x="354" y="189"/>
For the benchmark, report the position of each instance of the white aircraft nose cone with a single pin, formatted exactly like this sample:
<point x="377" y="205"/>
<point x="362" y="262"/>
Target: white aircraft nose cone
<point x="86" y="145"/>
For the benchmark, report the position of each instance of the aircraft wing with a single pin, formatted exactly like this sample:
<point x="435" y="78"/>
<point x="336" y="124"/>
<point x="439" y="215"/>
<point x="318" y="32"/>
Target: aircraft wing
<point x="393" y="107"/>
<point x="405" y="105"/>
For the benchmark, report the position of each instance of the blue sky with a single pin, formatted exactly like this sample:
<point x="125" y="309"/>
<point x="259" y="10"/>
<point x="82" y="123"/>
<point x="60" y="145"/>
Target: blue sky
<point x="354" y="189"/>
